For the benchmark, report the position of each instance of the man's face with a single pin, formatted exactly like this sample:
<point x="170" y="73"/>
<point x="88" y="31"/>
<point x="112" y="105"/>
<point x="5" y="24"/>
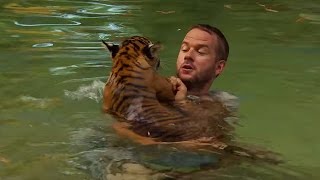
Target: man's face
<point x="197" y="62"/>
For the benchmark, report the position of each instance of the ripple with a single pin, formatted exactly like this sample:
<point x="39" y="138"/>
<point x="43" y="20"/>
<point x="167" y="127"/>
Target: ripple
<point x="105" y="9"/>
<point x="62" y="70"/>
<point x="74" y="23"/>
<point x="315" y="22"/>
<point x="69" y="16"/>
<point x="314" y="18"/>
<point x="65" y="70"/>
<point x="104" y="36"/>
<point x="41" y="103"/>
<point x="73" y="16"/>
<point x="113" y="26"/>
<point x="42" y="45"/>
<point x="15" y="36"/>
<point x="81" y="48"/>
<point x="84" y="79"/>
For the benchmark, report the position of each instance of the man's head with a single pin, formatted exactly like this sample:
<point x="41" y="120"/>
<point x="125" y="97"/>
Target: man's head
<point x="202" y="56"/>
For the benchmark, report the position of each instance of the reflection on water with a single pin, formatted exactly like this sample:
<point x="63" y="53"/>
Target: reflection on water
<point x="53" y="69"/>
<point x="68" y="23"/>
<point x="43" y="45"/>
<point x="313" y="18"/>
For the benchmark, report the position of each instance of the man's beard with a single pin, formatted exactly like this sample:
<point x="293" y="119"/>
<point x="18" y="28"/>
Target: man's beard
<point x="197" y="82"/>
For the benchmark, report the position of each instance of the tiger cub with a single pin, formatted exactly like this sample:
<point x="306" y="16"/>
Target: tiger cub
<point x="137" y="94"/>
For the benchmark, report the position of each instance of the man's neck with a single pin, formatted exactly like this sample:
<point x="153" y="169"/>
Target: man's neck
<point x="198" y="91"/>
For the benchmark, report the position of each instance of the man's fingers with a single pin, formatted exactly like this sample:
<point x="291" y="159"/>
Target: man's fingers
<point x="180" y="84"/>
<point x="174" y="82"/>
<point x="179" y="88"/>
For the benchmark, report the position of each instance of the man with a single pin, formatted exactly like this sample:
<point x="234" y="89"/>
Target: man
<point x="202" y="58"/>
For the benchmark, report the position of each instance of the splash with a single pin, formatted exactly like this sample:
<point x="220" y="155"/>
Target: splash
<point x="94" y="91"/>
<point x="230" y="101"/>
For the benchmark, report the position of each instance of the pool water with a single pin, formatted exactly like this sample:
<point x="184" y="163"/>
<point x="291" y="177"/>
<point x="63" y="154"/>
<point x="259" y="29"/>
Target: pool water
<point x="53" y="68"/>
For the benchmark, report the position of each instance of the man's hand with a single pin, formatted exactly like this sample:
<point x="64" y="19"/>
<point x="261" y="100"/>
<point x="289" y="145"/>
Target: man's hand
<point x="179" y="88"/>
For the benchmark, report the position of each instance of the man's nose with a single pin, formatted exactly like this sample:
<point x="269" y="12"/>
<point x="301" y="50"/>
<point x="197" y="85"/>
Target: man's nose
<point x="189" y="55"/>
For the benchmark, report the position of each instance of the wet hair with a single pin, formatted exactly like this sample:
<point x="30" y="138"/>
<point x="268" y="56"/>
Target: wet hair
<point x="223" y="46"/>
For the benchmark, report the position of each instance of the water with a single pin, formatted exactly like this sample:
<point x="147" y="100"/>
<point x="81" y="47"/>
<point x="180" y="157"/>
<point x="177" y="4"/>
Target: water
<point x="52" y="69"/>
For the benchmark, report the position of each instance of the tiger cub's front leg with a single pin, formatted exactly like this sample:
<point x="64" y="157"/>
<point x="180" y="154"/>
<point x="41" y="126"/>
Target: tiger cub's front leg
<point x="163" y="88"/>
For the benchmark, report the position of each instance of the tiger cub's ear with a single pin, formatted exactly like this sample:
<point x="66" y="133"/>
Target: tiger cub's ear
<point x="113" y="48"/>
<point x="152" y="50"/>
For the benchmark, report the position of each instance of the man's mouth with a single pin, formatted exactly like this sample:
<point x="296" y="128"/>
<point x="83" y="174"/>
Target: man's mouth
<point x="187" y="67"/>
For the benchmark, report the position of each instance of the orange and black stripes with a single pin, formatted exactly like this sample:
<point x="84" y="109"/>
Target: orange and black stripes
<point x="130" y="93"/>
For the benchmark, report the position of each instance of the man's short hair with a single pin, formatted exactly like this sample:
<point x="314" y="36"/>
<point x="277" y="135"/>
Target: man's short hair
<point x="223" y="46"/>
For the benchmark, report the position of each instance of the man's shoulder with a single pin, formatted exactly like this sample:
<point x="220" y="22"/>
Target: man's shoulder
<point x="229" y="100"/>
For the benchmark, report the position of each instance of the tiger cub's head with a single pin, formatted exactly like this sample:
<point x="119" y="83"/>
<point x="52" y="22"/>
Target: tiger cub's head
<point x="133" y="48"/>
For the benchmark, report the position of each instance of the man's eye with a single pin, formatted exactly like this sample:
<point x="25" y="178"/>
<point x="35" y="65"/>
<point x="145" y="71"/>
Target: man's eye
<point x="202" y="51"/>
<point x="184" y="48"/>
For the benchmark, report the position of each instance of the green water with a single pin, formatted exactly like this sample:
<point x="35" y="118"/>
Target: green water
<point x="52" y="69"/>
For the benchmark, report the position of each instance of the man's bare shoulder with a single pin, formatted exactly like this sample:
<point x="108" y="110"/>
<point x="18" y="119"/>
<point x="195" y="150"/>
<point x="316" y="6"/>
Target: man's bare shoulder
<point x="229" y="100"/>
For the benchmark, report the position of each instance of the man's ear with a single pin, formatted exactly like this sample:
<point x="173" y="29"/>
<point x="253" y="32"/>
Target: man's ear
<point x="152" y="50"/>
<point x="155" y="48"/>
<point x="113" y="48"/>
<point x="219" y="67"/>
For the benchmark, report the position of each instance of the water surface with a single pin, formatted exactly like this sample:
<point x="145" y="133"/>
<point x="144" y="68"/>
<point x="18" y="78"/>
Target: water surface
<point x="52" y="70"/>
